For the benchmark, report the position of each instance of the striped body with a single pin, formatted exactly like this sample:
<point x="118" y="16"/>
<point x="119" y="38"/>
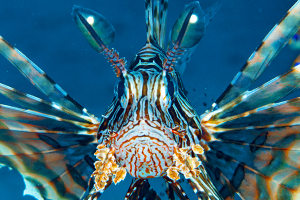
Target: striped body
<point x="141" y="118"/>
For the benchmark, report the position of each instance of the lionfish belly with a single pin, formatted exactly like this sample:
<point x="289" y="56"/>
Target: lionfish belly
<point x="246" y="146"/>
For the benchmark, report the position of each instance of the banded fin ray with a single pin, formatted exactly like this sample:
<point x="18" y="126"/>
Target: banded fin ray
<point x="284" y="113"/>
<point x="253" y="171"/>
<point x="260" y="159"/>
<point x="262" y="56"/>
<point x="260" y="149"/>
<point x="40" y="79"/>
<point x="272" y="91"/>
<point x="48" y="122"/>
<point x="253" y="148"/>
<point x="34" y="103"/>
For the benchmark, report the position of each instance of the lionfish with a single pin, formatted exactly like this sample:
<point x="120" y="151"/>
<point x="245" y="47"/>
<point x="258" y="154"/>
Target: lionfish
<point x="246" y="146"/>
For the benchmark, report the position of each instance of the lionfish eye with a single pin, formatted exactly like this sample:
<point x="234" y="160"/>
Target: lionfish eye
<point x="119" y="88"/>
<point x="171" y="88"/>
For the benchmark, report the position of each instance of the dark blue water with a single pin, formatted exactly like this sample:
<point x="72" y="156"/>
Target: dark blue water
<point x="46" y="33"/>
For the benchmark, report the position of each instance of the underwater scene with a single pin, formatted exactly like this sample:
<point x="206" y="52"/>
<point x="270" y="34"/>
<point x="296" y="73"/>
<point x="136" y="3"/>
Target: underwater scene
<point x="46" y="33"/>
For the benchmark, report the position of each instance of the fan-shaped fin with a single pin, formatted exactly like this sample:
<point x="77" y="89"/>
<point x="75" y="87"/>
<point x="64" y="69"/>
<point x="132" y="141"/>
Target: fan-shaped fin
<point x="53" y="154"/>
<point x="41" y="80"/>
<point x="262" y="56"/>
<point x="256" y="151"/>
<point x="54" y="166"/>
<point x="253" y="169"/>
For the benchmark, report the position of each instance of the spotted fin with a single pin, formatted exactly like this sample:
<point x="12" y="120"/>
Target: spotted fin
<point x="262" y="56"/>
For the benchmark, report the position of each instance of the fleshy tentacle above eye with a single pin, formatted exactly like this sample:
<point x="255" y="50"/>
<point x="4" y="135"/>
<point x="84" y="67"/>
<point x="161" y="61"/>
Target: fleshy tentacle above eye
<point x="186" y="33"/>
<point x="100" y="33"/>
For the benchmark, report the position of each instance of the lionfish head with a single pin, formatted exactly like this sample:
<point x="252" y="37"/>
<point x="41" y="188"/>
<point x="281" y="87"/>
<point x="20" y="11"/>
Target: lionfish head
<point x="150" y="125"/>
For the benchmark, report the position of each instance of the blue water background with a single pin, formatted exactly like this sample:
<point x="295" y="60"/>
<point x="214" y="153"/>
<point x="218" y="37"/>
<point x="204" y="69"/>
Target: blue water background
<point x="45" y="32"/>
